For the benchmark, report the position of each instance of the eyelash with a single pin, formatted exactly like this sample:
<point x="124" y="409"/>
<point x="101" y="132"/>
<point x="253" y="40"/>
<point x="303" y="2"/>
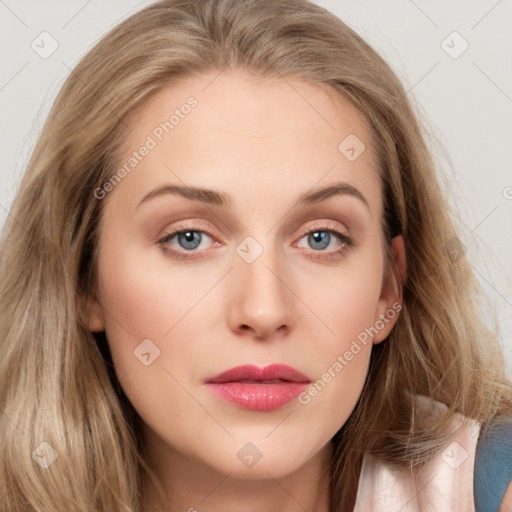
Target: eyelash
<point x="347" y="242"/>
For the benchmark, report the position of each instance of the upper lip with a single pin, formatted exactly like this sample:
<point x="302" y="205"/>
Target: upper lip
<point x="255" y="373"/>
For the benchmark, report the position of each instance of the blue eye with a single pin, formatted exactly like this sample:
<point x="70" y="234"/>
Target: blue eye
<point x="320" y="238"/>
<point x="189" y="239"/>
<point x="321" y="242"/>
<point x="187" y="243"/>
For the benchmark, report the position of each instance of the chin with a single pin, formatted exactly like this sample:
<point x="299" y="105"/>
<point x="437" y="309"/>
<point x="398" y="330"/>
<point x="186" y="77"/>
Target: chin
<point x="260" y="460"/>
<point x="264" y="470"/>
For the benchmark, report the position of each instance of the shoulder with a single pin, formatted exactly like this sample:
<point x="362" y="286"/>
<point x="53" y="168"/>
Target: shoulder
<point x="493" y="467"/>
<point x="444" y="483"/>
<point x="472" y="472"/>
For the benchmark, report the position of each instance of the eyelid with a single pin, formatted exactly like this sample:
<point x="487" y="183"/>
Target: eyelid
<point x="187" y="225"/>
<point x="324" y="225"/>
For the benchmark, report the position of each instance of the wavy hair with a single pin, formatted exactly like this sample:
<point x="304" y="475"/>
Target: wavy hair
<point x="57" y="384"/>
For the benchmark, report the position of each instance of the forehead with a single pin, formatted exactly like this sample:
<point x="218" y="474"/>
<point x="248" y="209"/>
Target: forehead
<point x="248" y="133"/>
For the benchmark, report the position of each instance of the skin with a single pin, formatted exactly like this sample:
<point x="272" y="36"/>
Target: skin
<point x="263" y="142"/>
<point x="506" y="505"/>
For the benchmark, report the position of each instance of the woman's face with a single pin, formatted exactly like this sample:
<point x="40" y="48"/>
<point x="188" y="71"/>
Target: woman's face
<point x="266" y="269"/>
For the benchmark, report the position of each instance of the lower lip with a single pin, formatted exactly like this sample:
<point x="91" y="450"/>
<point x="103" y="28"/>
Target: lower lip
<point x="259" y="397"/>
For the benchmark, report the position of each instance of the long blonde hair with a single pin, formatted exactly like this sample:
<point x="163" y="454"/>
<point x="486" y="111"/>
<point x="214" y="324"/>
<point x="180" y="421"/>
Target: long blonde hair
<point x="56" y="381"/>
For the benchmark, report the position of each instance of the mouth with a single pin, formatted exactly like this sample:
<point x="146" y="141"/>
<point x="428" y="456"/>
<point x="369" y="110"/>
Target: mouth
<point x="259" y="389"/>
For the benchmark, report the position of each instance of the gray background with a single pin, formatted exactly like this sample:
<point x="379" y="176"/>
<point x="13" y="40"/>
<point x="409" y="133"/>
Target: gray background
<point x="465" y="99"/>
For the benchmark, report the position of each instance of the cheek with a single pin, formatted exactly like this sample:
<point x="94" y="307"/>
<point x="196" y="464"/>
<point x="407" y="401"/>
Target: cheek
<point x="349" y="316"/>
<point x="346" y="302"/>
<point x="146" y="300"/>
<point x="341" y="355"/>
<point x="345" y="298"/>
<point x="149" y="330"/>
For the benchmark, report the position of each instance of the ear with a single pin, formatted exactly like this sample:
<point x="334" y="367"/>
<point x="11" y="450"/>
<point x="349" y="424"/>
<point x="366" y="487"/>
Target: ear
<point x="96" y="321"/>
<point x="93" y="316"/>
<point x="390" y="300"/>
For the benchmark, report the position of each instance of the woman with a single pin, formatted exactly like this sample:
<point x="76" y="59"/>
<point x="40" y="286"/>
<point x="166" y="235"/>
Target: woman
<point x="229" y="281"/>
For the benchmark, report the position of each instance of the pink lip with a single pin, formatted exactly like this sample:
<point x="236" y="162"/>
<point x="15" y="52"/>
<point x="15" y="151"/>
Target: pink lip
<point x="243" y="386"/>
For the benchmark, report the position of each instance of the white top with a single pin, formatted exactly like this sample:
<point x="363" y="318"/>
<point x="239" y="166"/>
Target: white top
<point x="444" y="484"/>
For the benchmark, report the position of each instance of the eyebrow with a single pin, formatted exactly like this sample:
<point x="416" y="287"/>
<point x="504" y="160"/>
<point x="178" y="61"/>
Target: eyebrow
<point x="218" y="198"/>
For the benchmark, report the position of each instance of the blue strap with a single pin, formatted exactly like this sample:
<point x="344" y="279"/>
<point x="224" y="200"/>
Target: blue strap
<point x="493" y="465"/>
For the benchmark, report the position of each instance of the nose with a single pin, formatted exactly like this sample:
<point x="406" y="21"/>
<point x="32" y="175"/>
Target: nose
<point x="261" y="302"/>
